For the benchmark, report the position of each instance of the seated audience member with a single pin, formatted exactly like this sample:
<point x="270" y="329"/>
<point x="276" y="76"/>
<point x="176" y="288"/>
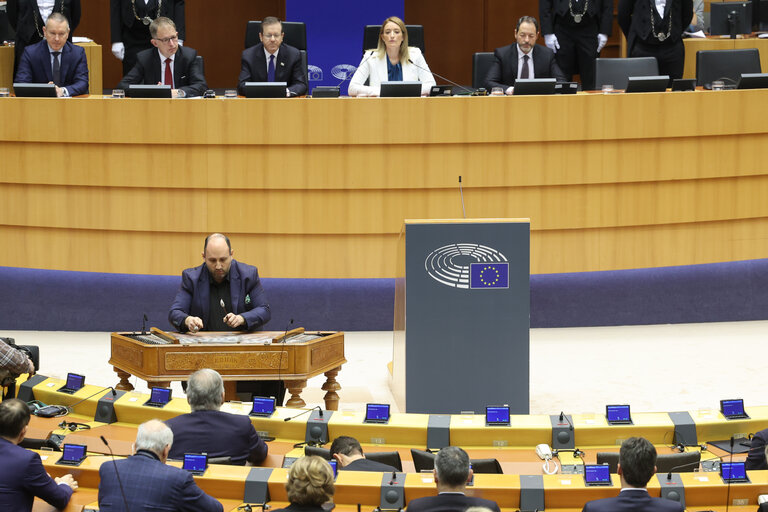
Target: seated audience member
<point x="756" y="456"/>
<point x="309" y="485"/>
<point x="22" y="475"/>
<point x="168" y="63"/>
<point x="452" y="473"/>
<point x="144" y="482"/>
<point x="637" y="464"/>
<point x="349" y="454"/>
<point x="208" y="430"/>
<point x="55" y="60"/>
<point x="523" y="59"/>
<point x="273" y="61"/>
<point x="392" y="61"/>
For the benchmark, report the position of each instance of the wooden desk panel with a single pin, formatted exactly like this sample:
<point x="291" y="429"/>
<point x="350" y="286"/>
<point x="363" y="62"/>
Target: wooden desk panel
<point x="92" y="54"/>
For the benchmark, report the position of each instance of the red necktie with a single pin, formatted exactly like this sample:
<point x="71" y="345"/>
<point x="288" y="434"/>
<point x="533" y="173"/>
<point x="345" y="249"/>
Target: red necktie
<point x="168" y="73"/>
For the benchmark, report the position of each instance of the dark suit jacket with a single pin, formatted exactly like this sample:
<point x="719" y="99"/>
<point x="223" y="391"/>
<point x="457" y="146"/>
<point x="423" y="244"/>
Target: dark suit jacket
<point x="24" y="20"/>
<point x="634" y="18"/>
<point x="756" y="456"/>
<point x="293" y="507"/>
<point x="151" y="485"/>
<point x="187" y="73"/>
<point x="503" y="72"/>
<point x="248" y="297"/>
<point x="633" y="500"/>
<point x="35" y="67"/>
<point x="253" y="68"/>
<point x="367" y="465"/>
<point x="602" y="10"/>
<point x="217" y="433"/>
<point x="449" y="502"/>
<point x="121" y="15"/>
<point x="22" y="477"/>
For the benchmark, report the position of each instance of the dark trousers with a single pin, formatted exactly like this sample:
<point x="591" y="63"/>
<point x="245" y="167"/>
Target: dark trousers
<point x="671" y="56"/>
<point x="578" y="49"/>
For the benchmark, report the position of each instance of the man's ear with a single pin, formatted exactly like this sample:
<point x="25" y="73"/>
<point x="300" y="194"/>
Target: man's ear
<point x="620" y="471"/>
<point x="469" y="477"/>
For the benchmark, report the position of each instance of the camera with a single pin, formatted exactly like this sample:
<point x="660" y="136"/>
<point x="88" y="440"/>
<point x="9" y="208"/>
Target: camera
<point x="31" y="351"/>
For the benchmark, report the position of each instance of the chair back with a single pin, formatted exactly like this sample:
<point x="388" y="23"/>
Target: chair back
<point x="295" y="34"/>
<point x="726" y="65"/>
<point x="388" y="458"/>
<point x="481" y="64"/>
<point x="371" y="36"/>
<point x="316" y="450"/>
<point x="685" y="462"/>
<point x="422" y="460"/>
<point x="616" y="72"/>
<point x="610" y="458"/>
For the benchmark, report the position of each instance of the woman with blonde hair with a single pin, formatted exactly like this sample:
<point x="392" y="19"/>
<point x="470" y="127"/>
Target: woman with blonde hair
<point x="392" y="61"/>
<point x="309" y="485"/>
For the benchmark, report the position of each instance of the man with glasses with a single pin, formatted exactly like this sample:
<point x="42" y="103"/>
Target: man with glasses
<point x="524" y="59"/>
<point x="168" y="64"/>
<point x="273" y="61"/>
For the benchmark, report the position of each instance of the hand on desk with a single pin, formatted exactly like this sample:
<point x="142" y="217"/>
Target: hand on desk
<point x="234" y="320"/>
<point x="67" y="480"/>
<point x="193" y="323"/>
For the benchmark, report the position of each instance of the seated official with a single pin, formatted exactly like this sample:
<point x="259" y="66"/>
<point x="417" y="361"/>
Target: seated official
<point x="523" y="59"/>
<point x="392" y="61"/>
<point x="637" y="464"/>
<point x="309" y="485"/>
<point x="756" y="455"/>
<point x="146" y="482"/>
<point x="168" y="63"/>
<point x="452" y="472"/>
<point x="349" y="455"/>
<point x="208" y="430"/>
<point x="22" y="475"/>
<point x="273" y="61"/>
<point x="54" y="60"/>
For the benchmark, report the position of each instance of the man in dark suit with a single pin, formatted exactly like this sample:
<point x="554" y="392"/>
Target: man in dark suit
<point x="576" y="30"/>
<point x="655" y="29"/>
<point x="167" y="63"/>
<point x="144" y="482"/>
<point x="55" y="60"/>
<point x="273" y="61"/>
<point x="637" y="464"/>
<point x="524" y="59"/>
<point x="349" y="455"/>
<point x="22" y="475"/>
<point x="129" y="25"/>
<point x="452" y="473"/>
<point x="28" y="18"/>
<point x="208" y="430"/>
<point x="756" y="457"/>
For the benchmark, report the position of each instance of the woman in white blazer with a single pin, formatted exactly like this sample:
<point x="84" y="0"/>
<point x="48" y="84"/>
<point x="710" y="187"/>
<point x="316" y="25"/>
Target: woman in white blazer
<point x="393" y="60"/>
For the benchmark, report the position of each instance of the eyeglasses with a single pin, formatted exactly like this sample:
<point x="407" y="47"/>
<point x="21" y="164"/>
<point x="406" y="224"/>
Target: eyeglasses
<point x="271" y="36"/>
<point x="167" y="40"/>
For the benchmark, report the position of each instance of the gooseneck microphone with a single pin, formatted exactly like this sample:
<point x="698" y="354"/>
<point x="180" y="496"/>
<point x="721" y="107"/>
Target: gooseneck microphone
<point x="461" y="193"/>
<point x="144" y="325"/>
<point x="319" y="410"/>
<point x="282" y="351"/>
<point x="70" y="408"/>
<point x="120" y="482"/>
<point x="350" y="75"/>
<point x="565" y="417"/>
<point x="470" y="91"/>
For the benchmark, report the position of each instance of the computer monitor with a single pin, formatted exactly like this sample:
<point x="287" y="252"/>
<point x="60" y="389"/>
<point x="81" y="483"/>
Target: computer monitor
<point x="530" y="86"/>
<point x="376" y="413"/>
<point x="34" y="90"/>
<point x="75" y="381"/>
<point x="335" y="467"/>
<point x="159" y="397"/>
<point x="733" y="409"/>
<point x="263" y="406"/>
<point x="618" y="415"/>
<point x="647" y="83"/>
<point x="72" y="455"/>
<point x="496" y="415"/>
<point x="597" y="475"/>
<point x="265" y="89"/>
<point x="400" y="89"/>
<point x="730" y="18"/>
<point x="753" y="81"/>
<point x="195" y="463"/>
<point x="733" y="472"/>
<point x="149" y="91"/>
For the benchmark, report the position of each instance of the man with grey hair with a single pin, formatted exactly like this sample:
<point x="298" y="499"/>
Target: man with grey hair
<point x="452" y="472"/>
<point x="208" y="430"/>
<point x="143" y="481"/>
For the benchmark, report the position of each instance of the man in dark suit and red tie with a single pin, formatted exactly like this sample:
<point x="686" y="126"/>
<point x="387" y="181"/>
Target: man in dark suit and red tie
<point x="637" y="464"/>
<point x="524" y="59"/>
<point x="273" y="61"/>
<point x="55" y="60"/>
<point x="168" y="63"/>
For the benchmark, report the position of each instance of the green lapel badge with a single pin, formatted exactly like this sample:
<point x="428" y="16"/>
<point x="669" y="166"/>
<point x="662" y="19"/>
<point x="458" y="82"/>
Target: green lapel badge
<point x="247" y="299"/>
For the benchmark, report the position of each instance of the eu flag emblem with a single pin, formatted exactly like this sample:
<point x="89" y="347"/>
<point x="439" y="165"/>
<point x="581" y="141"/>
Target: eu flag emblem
<point x="489" y="275"/>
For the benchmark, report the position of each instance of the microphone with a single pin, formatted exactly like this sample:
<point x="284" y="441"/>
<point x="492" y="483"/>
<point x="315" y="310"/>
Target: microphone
<point x="70" y="408"/>
<point x="469" y="91"/>
<point x="681" y="466"/>
<point x="461" y="193"/>
<point x="280" y="362"/>
<point x="319" y="409"/>
<point x="122" y="492"/>
<point x="564" y="417"/>
<point x="394" y="478"/>
<point x="350" y="75"/>
<point x="728" y="494"/>
<point x="144" y="325"/>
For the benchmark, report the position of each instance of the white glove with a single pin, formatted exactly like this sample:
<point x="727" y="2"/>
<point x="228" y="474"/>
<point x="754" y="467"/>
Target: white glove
<point x="551" y="41"/>
<point x="181" y="42"/>
<point x="601" y="40"/>
<point x="118" y="50"/>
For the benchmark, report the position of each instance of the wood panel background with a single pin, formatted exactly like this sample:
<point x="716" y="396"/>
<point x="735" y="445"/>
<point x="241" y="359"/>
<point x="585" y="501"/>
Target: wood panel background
<point x="453" y="29"/>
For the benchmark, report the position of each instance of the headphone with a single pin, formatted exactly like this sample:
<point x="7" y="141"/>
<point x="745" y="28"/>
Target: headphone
<point x="73" y="426"/>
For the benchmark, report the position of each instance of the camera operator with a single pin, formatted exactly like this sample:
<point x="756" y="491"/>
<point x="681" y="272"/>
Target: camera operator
<point x="13" y="362"/>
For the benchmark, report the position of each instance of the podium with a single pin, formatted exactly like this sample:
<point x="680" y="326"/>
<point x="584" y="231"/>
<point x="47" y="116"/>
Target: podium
<point x="462" y="315"/>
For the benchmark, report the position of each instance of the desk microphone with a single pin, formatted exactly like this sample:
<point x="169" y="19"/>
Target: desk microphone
<point x="681" y="466"/>
<point x="350" y="75"/>
<point x="144" y="325"/>
<point x="70" y="408"/>
<point x="469" y="91"/>
<point x="461" y="193"/>
<point x="319" y="409"/>
<point x="565" y="417"/>
<point x="122" y="492"/>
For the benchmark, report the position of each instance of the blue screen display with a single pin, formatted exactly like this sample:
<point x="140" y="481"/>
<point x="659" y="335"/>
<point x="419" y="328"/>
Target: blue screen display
<point x="374" y="412"/>
<point x="733" y="470"/>
<point x="732" y="407"/>
<point x="597" y="473"/>
<point x="195" y="462"/>
<point x="73" y="452"/>
<point x="160" y="395"/>
<point x="262" y="405"/>
<point x="75" y="381"/>
<point x="617" y="412"/>
<point x="497" y="414"/>
<point x="334" y="467"/>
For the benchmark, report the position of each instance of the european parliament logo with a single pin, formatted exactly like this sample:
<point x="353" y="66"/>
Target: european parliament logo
<point x="343" y="71"/>
<point x="468" y="266"/>
<point x="315" y="73"/>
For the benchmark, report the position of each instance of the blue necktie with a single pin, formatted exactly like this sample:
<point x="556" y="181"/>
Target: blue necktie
<point x="271" y="69"/>
<point x="56" y="68"/>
